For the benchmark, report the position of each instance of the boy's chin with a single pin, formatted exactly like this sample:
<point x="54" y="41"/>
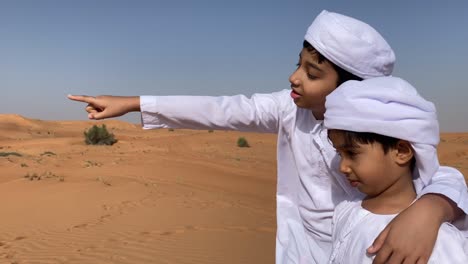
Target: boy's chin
<point x="299" y="103"/>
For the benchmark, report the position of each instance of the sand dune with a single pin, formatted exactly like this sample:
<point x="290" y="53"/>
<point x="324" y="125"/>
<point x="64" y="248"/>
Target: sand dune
<point x="156" y="196"/>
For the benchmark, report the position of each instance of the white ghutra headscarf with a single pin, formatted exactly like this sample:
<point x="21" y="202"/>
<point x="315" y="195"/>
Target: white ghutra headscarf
<point x="351" y="44"/>
<point x="391" y="107"/>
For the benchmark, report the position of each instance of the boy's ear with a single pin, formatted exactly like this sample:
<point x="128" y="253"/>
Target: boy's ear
<point x="403" y="152"/>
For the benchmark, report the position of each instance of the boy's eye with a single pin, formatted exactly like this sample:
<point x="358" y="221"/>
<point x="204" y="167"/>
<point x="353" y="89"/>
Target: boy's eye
<point x="312" y="77"/>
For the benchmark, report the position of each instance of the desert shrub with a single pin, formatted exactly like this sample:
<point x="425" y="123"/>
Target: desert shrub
<point x="242" y="143"/>
<point x="99" y="136"/>
<point x="170" y="130"/>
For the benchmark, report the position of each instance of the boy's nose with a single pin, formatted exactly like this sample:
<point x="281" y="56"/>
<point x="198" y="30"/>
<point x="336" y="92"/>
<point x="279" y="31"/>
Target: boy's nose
<point x="294" y="80"/>
<point x="344" y="168"/>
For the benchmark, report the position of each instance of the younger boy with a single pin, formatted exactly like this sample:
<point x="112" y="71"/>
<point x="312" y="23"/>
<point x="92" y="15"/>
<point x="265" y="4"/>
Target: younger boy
<point x="386" y="135"/>
<point x="336" y="48"/>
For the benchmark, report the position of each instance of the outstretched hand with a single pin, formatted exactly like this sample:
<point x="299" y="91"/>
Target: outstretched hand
<point x="106" y="106"/>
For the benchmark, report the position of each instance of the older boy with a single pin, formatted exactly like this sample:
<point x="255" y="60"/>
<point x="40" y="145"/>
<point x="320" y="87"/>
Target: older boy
<point x="336" y="48"/>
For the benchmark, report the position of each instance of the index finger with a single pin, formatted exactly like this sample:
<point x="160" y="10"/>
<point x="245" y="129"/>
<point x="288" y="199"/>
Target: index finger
<point x="82" y="98"/>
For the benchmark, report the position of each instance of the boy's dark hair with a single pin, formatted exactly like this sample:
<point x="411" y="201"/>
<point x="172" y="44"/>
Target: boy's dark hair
<point x="352" y="138"/>
<point x="343" y="75"/>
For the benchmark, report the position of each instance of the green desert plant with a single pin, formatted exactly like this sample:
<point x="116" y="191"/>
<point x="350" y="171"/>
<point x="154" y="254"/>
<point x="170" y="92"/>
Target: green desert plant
<point x="99" y="136"/>
<point x="242" y="143"/>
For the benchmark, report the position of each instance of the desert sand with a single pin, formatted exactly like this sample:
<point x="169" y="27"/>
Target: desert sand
<point x="156" y="196"/>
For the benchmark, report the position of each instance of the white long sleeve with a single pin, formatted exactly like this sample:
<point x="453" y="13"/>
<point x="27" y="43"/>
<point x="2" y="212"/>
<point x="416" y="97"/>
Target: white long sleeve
<point x="260" y="113"/>
<point x="451" y="183"/>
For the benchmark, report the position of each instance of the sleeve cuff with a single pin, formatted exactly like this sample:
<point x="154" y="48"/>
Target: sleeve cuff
<point x="148" y="109"/>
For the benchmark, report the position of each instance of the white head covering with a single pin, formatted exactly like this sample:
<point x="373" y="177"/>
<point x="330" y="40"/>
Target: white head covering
<point x="391" y="107"/>
<point x="351" y="45"/>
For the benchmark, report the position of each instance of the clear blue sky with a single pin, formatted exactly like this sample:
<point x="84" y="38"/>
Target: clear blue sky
<point x="49" y="49"/>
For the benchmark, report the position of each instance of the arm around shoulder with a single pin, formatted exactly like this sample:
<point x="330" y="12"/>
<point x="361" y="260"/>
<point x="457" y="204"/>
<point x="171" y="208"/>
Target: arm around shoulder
<point x="448" y="189"/>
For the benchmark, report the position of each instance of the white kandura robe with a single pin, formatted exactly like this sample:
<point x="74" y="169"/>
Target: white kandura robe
<point x="309" y="184"/>
<point x="355" y="228"/>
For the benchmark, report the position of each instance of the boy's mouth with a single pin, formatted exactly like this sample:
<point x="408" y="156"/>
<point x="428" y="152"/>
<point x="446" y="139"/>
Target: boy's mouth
<point x="353" y="182"/>
<point x="295" y="95"/>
